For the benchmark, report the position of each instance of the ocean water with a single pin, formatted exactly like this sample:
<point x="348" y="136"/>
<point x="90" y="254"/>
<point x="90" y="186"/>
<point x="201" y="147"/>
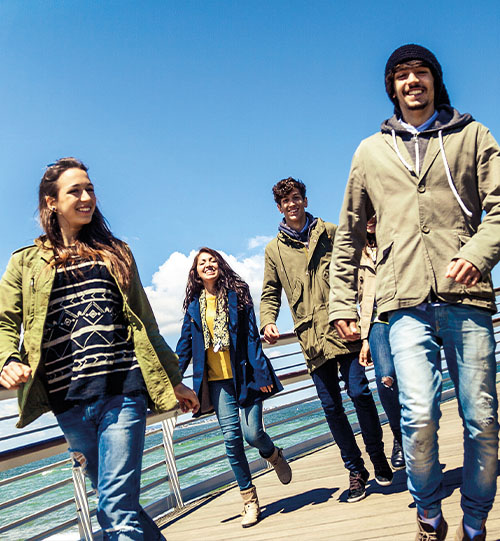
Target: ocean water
<point x="60" y="473"/>
<point x="57" y="473"/>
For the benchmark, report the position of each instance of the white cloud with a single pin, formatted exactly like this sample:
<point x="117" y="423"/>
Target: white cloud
<point x="167" y="291"/>
<point x="258" y="241"/>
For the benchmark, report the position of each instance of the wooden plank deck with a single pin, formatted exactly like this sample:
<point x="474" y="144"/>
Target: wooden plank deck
<point x="313" y="506"/>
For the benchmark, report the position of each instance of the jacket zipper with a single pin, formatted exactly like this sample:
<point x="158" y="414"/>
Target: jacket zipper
<point x="417" y="154"/>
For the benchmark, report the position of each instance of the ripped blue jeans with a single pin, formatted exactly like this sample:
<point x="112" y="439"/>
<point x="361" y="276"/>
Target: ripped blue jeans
<point x="466" y="335"/>
<point x="106" y="437"/>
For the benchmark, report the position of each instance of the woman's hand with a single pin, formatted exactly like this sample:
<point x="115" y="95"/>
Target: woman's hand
<point x="188" y="401"/>
<point x="365" y="357"/>
<point x="266" y="389"/>
<point x="13" y="374"/>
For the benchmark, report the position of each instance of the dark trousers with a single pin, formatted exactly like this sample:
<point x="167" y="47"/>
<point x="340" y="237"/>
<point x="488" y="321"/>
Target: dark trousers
<point x="327" y="383"/>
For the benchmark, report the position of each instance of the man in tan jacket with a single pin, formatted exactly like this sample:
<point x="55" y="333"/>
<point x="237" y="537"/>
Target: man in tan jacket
<point x="298" y="262"/>
<point x="430" y="174"/>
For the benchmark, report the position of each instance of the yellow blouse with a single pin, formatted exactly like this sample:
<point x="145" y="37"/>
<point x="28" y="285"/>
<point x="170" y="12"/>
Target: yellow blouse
<point x="218" y="362"/>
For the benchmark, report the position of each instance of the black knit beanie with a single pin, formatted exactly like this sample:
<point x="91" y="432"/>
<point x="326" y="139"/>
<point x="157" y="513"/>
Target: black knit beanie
<point x="409" y="52"/>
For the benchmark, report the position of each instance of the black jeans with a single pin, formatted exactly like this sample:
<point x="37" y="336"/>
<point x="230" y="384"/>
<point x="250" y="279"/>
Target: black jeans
<point x="327" y="383"/>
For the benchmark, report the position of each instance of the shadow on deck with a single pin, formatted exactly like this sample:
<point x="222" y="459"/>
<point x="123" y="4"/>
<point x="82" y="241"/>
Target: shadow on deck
<point x="314" y="507"/>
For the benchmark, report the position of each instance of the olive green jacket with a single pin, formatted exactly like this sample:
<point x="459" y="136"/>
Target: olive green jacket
<point x="303" y="273"/>
<point x="421" y="225"/>
<point x="25" y="291"/>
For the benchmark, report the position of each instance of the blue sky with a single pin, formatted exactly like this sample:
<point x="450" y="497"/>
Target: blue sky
<point x="187" y="112"/>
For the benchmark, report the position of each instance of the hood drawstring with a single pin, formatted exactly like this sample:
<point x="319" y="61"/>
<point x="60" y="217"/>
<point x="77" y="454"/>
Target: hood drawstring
<point x="450" y="179"/>
<point x="403" y="161"/>
<point x="446" y="168"/>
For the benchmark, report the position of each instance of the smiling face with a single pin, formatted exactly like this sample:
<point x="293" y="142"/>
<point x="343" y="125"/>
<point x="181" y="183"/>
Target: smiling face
<point x="75" y="202"/>
<point x="293" y="207"/>
<point x="207" y="269"/>
<point x="414" y="88"/>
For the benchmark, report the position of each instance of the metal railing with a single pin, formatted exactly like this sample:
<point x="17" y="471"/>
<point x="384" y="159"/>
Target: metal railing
<point x="178" y="467"/>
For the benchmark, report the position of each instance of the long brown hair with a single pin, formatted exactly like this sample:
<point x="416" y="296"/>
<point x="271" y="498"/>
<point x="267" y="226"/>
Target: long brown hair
<point x="95" y="240"/>
<point x="227" y="280"/>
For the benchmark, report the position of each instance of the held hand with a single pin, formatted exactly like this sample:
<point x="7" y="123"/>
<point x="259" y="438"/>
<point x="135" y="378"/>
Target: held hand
<point x="188" y="401"/>
<point x="266" y="389"/>
<point x="271" y="333"/>
<point x="463" y="272"/>
<point x="347" y="329"/>
<point x="13" y="374"/>
<point x="365" y="357"/>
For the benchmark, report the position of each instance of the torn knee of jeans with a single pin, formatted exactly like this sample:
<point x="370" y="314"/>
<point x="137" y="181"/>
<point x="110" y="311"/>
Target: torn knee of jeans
<point x="387" y="381"/>
<point x="79" y="460"/>
<point x="488" y="421"/>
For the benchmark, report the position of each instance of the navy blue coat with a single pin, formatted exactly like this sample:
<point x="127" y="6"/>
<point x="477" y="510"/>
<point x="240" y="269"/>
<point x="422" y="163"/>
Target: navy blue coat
<point x="251" y="368"/>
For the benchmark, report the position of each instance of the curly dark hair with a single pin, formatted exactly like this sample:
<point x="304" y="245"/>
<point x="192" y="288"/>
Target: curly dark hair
<point x="95" y="240"/>
<point x="228" y="280"/>
<point x="285" y="186"/>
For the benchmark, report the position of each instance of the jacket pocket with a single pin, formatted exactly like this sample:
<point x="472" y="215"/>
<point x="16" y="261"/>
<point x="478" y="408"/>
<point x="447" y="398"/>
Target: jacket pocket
<point x="386" y="276"/>
<point x="297" y="299"/>
<point x="310" y="332"/>
<point x="484" y="288"/>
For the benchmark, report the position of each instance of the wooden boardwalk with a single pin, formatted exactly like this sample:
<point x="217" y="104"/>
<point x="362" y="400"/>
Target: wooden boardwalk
<point x="313" y="506"/>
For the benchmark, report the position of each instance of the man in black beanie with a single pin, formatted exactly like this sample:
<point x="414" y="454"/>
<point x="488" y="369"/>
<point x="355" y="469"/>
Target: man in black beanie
<point x="432" y="176"/>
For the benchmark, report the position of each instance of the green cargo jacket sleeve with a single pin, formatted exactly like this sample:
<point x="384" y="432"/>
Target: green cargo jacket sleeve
<point x="11" y="310"/>
<point x="270" y="301"/>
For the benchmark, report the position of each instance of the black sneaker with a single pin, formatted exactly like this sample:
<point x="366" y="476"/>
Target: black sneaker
<point x="383" y="472"/>
<point x="357" y="484"/>
<point x="397" y="457"/>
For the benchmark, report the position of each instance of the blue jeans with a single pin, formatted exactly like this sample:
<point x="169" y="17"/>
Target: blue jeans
<point x="106" y="437"/>
<point x="327" y="383"/>
<point x="223" y="397"/>
<point x="383" y="365"/>
<point x="466" y="335"/>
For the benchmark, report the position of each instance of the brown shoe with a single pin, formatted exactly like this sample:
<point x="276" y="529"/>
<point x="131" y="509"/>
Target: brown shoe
<point x="251" y="508"/>
<point x="462" y="535"/>
<point x="427" y="533"/>
<point x="280" y="465"/>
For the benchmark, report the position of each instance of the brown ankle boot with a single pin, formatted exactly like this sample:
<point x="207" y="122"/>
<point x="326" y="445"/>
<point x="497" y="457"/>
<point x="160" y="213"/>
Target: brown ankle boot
<point x="251" y="509"/>
<point x="280" y="465"/>
<point x="427" y="533"/>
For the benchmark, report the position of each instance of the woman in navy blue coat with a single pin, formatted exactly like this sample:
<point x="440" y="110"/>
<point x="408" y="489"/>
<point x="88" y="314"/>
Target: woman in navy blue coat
<point x="231" y="374"/>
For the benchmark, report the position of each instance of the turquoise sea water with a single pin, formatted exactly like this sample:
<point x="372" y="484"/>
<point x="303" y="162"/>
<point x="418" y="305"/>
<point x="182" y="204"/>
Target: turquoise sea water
<point x="61" y="472"/>
<point x="58" y="473"/>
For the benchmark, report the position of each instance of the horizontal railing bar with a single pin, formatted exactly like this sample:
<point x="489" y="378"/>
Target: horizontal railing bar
<point x="59" y="528"/>
<point x="36" y="515"/>
<point x="28" y="432"/>
<point x="35" y="493"/>
<point x="34" y="472"/>
<point x="207" y="462"/>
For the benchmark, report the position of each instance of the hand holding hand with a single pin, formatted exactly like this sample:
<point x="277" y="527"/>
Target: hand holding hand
<point x="188" y="401"/>
<point x="463" y="272"/>
<point x="271" y="333"/>
<point x="347" y="329"/>
<point x="13" y="374"/>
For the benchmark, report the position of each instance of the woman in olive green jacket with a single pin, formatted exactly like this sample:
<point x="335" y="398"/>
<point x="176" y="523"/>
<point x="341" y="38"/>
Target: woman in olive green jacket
<point x="91" y="351"/>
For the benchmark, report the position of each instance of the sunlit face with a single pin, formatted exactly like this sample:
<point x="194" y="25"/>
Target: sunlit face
<point x="371" y="225"/>
<point x="414" y="88"/>
<point x="75" y="202"/>
<point x="293" y="207"/>
<point x="207" y="268"/>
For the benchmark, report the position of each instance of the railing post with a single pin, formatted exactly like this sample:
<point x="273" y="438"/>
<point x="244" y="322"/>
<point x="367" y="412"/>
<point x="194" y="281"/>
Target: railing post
<point x="82" y="504"/>
<point x="168" y="426"/>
